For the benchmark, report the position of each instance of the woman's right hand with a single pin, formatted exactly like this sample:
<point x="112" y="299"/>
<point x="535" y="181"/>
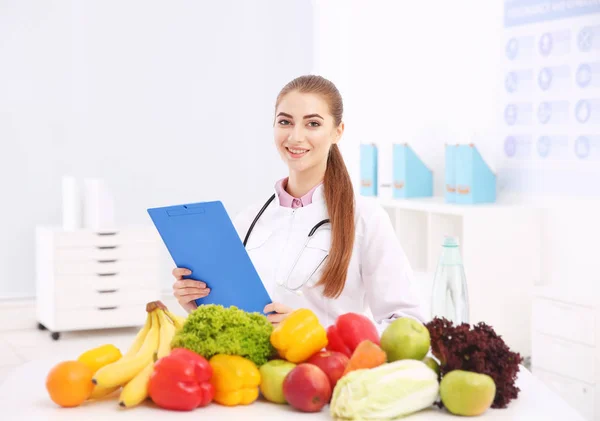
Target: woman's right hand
<point x="188" y="290"/>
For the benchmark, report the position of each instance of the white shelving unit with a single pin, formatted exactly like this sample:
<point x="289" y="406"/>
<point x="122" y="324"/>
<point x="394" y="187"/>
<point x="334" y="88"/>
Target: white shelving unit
<point x="500" y="247"/>
<point x="95" y="280"/>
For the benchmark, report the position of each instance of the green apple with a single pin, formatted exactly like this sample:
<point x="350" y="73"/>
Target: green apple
<point x="431" y="363"/>
<point x="405" y="339"/>
<point x="467" y="393"/>
<point x="272" y="374"/>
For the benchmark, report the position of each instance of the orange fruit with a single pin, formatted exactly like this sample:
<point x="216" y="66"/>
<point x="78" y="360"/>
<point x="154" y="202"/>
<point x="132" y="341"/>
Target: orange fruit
<point x="69" y="383"/>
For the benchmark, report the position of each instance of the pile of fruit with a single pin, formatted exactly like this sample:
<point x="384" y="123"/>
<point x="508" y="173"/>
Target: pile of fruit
<point x="103" y="371"/>
<point x="230" y="357"/>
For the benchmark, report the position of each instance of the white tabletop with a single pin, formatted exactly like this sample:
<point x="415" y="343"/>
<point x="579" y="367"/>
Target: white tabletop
<point x="23" y="397"/>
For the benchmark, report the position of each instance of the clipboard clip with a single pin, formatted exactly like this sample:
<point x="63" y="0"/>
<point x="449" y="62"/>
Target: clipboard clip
<point x="186" y="210"/>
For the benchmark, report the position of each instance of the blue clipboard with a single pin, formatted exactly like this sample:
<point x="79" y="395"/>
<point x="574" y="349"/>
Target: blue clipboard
<point x="202" y="238"/>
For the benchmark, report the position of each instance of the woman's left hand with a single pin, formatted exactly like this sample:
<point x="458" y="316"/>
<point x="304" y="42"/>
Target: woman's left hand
<point x="281" y="312"/>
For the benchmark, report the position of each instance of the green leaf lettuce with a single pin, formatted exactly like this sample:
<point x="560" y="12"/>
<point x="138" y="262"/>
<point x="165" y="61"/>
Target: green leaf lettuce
<point x="213" y="329"/>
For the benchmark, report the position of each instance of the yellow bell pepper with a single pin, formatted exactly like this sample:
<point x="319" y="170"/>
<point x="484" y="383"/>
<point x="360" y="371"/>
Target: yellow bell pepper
<point x="299" y="336"/>
<point x="98" y="357"/>
<point x="95" y="359"/>
<point x="235" y="380"/>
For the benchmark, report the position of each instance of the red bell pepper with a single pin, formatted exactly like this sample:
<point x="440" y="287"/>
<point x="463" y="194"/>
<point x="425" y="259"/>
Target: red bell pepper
<point x="181" y="381"/>
<point x="349" y="330"/>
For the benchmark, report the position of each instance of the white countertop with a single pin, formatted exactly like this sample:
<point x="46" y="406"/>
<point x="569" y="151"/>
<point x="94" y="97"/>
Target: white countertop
<point x="23" y="396"/>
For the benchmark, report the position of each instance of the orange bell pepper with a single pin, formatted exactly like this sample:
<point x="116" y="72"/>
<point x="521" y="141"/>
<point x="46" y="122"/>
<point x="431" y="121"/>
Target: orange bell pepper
<point x="299" y="336"/>
<point x="235" y="380"/>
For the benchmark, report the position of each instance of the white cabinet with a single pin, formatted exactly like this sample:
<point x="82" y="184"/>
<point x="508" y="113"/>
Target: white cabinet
<point x="95" y="280"/>
<point x="500" y="247"/>
<point x="565" y="352"/>
<point x="566" y="308"/>
<point x="580" y="395"/>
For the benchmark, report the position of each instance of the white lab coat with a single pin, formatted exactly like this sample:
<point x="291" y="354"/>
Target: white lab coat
<point x="379" y="283"/>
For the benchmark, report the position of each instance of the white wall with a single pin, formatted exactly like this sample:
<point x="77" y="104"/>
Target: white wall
<point x="426" y="73"/>
<point x="169" y="102"/>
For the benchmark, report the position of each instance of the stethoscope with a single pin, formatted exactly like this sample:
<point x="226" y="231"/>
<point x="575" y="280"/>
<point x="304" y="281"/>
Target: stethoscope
<point x="310" y="234"/>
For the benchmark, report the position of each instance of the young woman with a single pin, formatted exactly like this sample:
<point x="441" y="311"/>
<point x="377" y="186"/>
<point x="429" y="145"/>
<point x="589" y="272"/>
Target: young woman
<point x="314" y="243"/>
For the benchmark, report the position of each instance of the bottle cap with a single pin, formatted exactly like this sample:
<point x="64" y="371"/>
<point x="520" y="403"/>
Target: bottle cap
<point x="450" y="241"/>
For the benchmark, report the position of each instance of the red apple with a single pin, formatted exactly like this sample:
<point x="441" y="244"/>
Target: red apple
<point x="332" y="363"/>
<point x="307" y="388"/>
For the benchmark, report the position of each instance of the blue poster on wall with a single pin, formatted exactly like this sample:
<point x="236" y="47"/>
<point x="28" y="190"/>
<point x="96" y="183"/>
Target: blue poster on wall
<point x="551" y="113"/>
<point x="523" y="12"/>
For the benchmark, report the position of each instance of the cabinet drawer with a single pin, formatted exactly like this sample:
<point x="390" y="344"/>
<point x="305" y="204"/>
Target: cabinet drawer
<point x="106" y="268"/>
<point x="99" y="253"/>
<point x="564" y="320"/>
<point x="104" y="299"/>
<point x="579" y="395"/>
<point x="563" y="357"/>
<point x="141" y="280"/>
<point x="83" y="238"/>
<point x="104" y="317"/>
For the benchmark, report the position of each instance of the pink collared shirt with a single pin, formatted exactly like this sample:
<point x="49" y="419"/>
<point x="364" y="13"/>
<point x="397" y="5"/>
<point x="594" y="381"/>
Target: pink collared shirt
<point x="289" y="201"/>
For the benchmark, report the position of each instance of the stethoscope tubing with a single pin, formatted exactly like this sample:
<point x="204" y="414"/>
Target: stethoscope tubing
<point x="310" y="234"/>
<point x="264" y="208"/>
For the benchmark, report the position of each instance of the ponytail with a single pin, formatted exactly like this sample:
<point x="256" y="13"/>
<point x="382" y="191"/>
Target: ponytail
<point x="339" y="197"/>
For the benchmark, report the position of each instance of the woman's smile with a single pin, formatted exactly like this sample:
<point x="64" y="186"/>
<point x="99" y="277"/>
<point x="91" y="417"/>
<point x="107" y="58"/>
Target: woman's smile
<point x="296" y="153"/>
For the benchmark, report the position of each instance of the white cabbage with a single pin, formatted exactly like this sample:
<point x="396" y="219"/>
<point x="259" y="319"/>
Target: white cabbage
<point x="389" y="391"/>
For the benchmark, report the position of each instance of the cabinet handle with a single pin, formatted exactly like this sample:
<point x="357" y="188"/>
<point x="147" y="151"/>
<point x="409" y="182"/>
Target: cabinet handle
<point x="107" y="261"/>
<point x="562" y="306"/>
<point x="107" y="247"/>
<point x="107" y="291"/>
<point x="108" y="308"/>
<point x="108" y="274"/>
<point x="104" y="234"/>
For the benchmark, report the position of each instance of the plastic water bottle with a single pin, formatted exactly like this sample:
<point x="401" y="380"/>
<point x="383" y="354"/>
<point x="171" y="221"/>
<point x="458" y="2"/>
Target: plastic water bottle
<point x="450" y="298"/>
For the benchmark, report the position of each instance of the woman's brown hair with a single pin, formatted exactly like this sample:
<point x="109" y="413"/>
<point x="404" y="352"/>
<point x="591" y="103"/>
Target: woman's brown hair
<point x="339" y="194"/>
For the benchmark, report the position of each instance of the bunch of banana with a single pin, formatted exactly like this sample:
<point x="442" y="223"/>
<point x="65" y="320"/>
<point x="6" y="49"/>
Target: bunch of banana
<point x="133" y="370"/>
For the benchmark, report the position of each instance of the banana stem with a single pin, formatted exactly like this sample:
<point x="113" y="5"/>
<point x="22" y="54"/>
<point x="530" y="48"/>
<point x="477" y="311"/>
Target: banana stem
<point x="177" y="321"/>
